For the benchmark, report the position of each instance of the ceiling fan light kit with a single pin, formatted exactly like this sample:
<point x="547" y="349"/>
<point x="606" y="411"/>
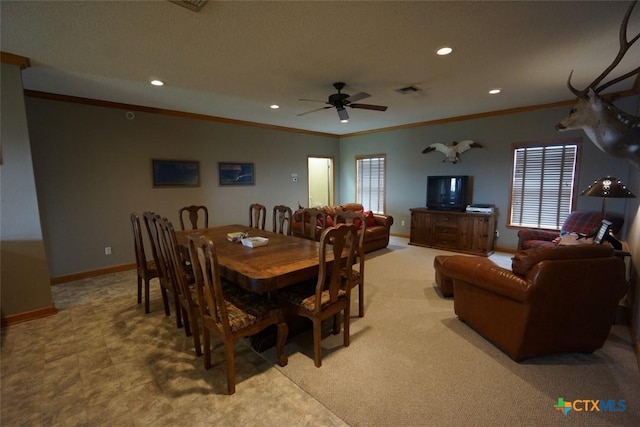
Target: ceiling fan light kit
<point x="341" y="100"/>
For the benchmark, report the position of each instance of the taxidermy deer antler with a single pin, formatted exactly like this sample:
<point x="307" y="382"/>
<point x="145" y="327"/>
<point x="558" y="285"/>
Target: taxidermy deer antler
<point x="452" y="152"/>
<point x="611" y="130"/>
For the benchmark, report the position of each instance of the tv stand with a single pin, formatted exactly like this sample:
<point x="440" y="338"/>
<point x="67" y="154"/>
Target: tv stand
<point x="471" y="233"/>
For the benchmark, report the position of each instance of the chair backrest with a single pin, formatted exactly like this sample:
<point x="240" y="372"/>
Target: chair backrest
<point x="357" y="219"/>
<point x="138" y="245"/>
<point x="312" y="219"/>
<point x="171" y="253"/>
<point x="257" y="216"/>
<point x="209" y="283"/>
<point x="150" y="220"/>
<point x="282" y="219"/>
<point x="340" y="241"/>
<point x="194" y="214"/>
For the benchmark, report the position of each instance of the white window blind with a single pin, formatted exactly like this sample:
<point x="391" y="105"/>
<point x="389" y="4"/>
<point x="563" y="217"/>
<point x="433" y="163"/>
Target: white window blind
<point x="542" y="186"/>
<point x="370" y="182"/>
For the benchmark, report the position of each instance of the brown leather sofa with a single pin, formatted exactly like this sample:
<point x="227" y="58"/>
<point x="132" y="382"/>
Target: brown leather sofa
<point x="554" y="300"/>
<point x="376" y="232"/>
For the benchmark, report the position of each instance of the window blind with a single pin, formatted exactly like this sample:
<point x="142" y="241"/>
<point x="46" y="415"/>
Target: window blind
<point x="543" y="181"/>
<point x="370" y="182"/>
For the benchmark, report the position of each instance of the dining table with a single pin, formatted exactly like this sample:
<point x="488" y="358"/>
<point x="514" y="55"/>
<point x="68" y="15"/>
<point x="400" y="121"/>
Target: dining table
<point x="283" y="261"/>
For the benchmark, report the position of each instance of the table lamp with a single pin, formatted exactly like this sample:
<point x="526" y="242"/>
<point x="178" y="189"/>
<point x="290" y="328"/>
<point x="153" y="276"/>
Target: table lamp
<point x="607" y="187"/>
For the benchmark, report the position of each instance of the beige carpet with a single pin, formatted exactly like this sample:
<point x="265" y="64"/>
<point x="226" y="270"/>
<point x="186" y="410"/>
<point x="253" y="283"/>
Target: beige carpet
<point x="412" y="362"/>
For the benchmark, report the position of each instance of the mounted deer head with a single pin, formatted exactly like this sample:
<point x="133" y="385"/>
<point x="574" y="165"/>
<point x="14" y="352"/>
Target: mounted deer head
<point x="611" y="130"/>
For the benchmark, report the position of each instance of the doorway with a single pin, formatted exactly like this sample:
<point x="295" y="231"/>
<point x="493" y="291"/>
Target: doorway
<point x="321" y="181"/>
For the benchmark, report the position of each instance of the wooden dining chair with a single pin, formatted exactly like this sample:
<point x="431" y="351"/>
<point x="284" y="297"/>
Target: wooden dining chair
<point x="357" y="275"/>
<point x="146" y="269"/>
<point x="195" y="212"/>
<point x="166" y="286"/>
<point x="282" y="219"/>
<point x="185" y="290"/>
<point x="326" y="297"/>
<point x="229" y="312"/>
<point x="312" y="219"/>
<point x="257" y="216"/>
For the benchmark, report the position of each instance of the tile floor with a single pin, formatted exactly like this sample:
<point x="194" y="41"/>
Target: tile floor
<point x="102" y="361"/>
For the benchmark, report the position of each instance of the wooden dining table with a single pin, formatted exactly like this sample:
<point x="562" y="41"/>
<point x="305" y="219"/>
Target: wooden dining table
<point x="285" y="260"/>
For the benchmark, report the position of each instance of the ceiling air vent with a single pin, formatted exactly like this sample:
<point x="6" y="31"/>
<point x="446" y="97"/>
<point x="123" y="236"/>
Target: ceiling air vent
<point x="194" y="5"/>
<point x="408" y="89"/>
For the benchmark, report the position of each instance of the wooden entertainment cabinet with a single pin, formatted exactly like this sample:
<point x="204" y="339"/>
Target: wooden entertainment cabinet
<point x="471" y="233"/>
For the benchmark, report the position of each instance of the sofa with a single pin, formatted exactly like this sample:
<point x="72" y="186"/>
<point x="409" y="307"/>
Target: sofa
<point x="581" y="222"/>
<point x="553" y="300"/>
<point x="377" y="230"/>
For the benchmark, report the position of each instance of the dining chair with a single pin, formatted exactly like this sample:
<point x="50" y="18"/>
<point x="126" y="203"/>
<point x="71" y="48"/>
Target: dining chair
<point x="161" y="266"/>
<point x="146" y="269"/>
<point x="314" y="221"/>
<point x="282" y="219"/>
<point x="229" y="312"/>
<point x="257" y="216"/>
<point x="357" y="276"/>
<point x="186" y="293"/>
<point x="193" y="212"/>
<point x="326" y="297"/>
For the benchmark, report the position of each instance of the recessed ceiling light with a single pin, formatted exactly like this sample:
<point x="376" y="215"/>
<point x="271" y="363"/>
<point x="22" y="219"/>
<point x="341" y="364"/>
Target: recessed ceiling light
<point x="275" y="106"/>
<point x="445" y="50"/>
<point x="157" y="82"/>
<point x="495" y="91"/>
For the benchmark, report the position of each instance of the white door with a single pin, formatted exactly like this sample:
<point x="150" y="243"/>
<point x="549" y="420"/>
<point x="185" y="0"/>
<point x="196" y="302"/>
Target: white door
<point x="320" y="181"/>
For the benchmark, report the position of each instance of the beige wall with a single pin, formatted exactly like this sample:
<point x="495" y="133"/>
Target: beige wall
<point x="93" y="168"/>
<point x="24" y="278"/>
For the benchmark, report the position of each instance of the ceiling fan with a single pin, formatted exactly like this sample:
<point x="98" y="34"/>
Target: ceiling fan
<point x="341" y="100"/>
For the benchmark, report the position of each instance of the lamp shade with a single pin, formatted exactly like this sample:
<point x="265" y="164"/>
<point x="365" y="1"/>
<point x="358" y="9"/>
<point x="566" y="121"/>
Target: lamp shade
<point x="608" y="187"/>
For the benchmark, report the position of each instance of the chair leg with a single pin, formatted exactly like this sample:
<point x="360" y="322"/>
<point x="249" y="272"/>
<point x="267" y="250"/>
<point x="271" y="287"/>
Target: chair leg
<point x="139" y="289"/>
<point x="283" y="331"/>
<point x="187" y="322"/>
<point x="146" y="296"/>
<point x="178" y="308"/>
<point x="165" y="301"/>
<point x="361" y="299"/>
<point x="336" y="324"/>
<point x="231" y="368"/>
<point x="207" y="348"/>
<point x="317" y="337"/>
<point x="196" y="333"/>
<point x="347" y="315"/>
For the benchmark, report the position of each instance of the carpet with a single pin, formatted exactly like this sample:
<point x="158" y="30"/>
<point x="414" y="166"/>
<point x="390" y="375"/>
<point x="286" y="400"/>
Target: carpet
<point x="412" y="362"/>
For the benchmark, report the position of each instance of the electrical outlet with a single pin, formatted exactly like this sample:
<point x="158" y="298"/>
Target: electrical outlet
<point x="402" y="223"/>
<point x="294" y="177"/>
<point x="107" y="250"/>
<point x="497" y="234"/>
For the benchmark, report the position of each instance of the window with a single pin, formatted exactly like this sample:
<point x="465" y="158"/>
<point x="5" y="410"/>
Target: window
<point x="543" y="183"/>
<point x="370" y="179"/>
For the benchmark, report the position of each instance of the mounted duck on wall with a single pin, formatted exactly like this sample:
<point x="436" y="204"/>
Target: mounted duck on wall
<point x="452" y="152"/>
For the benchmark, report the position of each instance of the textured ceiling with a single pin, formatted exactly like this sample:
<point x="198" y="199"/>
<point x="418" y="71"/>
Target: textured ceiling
<point x="234" y="59"/>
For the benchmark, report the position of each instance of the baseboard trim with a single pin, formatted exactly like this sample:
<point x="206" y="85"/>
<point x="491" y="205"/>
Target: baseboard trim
<point x="29" y="315"/>
<point x="93" y="273"/>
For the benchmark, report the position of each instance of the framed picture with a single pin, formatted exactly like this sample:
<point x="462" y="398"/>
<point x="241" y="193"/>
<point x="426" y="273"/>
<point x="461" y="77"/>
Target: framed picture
<point x="236" y="173"/>
<point x="602" y="233"/>
<point x="176" y="173"/>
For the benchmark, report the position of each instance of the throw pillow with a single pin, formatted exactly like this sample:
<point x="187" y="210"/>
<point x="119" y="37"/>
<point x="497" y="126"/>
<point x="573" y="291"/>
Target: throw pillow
<point x="369" y="219"/>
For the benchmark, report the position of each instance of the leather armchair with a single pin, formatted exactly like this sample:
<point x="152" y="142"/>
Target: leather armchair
<point x="554" y="300"/>
<point x="583" y="222"/>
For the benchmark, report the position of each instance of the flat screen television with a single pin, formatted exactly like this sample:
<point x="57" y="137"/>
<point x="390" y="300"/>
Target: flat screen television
<point x="448" y="193"/>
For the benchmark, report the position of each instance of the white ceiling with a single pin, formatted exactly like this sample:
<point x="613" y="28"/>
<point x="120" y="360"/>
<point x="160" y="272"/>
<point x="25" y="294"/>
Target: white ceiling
<point x="235" y="59"/>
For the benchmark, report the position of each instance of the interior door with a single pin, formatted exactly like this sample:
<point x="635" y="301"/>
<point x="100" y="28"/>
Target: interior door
<point x="321" y="181"/>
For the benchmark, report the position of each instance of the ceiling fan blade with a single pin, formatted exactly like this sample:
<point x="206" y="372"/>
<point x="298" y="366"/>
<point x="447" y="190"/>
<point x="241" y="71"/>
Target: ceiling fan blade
<point x="342" y="113"/>
<point x="358" y="97"/>
<point x="312" y="111"/>
<point x="369" y="107"/>
<point x="312" y="100"/>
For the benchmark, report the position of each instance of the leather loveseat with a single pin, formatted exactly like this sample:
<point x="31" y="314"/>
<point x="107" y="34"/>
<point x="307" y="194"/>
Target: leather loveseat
<point x="377" y="230"/>
<point x="554" y="300"/>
